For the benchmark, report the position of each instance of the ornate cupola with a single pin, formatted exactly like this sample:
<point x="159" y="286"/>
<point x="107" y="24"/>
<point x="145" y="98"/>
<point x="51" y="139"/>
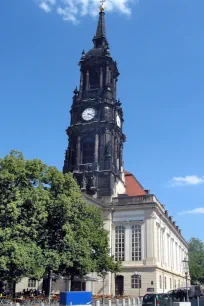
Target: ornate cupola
<point x="94" y="154"/>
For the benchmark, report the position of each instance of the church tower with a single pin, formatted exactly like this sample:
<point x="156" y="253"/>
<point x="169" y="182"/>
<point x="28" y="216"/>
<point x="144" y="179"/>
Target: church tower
<point x="94" y="154"/>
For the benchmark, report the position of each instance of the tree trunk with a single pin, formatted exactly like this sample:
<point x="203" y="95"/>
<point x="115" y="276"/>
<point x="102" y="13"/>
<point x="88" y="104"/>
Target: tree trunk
<point x="14" y="288"/>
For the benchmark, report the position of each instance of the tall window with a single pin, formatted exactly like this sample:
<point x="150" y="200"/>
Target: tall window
<point x="136" y="281"/>
<point x="136" y="243"/>
<point x="165" y="282"/>
<point x="170" y="284"/>
<point x="94" y="79"/>
<point x="161" y="245"/>
<point x="88" y="150"/>
<point x="160" y="281"/>
<point x="120" y="243"/>
<point x="31" y="283"/>
<point x="158" y="245"/>
<point x="176" y="246"/>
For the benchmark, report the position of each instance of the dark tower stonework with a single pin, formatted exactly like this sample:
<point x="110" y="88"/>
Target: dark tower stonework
<point x="94" y="154"/>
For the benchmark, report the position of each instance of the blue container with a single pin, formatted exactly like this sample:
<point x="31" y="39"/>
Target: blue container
<point x="75" y="298"/>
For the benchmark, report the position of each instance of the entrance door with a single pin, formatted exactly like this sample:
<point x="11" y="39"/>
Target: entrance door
<point x="119" y="285"/>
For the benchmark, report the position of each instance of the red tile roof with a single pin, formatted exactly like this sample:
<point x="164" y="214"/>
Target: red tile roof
<point x="133" y="187"/>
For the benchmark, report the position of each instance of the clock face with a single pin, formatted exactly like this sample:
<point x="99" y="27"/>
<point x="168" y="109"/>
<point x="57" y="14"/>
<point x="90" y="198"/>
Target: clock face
<point x="118" y="121"/>
<point x="88" y="114"/>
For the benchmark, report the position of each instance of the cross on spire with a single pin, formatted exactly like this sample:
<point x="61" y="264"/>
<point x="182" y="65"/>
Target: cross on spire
<point x="102" y="6"/>
<point x="100" y="37"/>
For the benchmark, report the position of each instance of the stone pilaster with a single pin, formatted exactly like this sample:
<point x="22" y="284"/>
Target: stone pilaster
<point x="150" y="239"/>
<point x="128" y="242"/>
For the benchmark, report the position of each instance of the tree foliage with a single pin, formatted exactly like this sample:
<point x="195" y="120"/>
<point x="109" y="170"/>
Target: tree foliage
<point x="45" y="224"/>
<point x="22" y="212"/>
<point x="196" y="260"/>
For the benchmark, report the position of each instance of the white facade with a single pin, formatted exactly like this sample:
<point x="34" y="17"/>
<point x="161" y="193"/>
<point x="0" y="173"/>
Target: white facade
<point x="147" y="241"/>
<point x="28" y="284"/>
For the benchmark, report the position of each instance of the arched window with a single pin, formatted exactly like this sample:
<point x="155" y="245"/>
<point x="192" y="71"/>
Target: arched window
<point x="160" y="281"/>
<point x="165" y="282"/>
<point x="120" y="243"/>
<point x="136" y="281"/>
<point x="136" y="243"/>
<point x="88" y="147"/>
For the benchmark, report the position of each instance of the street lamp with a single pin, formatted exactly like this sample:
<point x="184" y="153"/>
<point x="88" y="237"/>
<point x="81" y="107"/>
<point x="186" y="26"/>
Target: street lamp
<point x="139" y="277"/>
<point x="185" y="268"/>
<point x="103" y="275"/>
<point x="50" y="285"/>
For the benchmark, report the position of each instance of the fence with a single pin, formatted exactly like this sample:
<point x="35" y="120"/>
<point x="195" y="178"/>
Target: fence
<point x="7" y="301"/>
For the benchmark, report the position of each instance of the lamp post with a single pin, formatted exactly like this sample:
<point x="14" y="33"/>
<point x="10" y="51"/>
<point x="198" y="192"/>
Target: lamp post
<point x="185" y="268"/>
<point x="50" y="285"/>
<point x="139" y="277"/>
<point x="103" y="275"/>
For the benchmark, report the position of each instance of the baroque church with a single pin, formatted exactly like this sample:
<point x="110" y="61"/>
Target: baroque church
<point x="142" y="234"/>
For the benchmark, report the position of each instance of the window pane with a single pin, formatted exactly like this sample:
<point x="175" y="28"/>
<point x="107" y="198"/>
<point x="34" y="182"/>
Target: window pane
<point x="120" y="243"/>
<point x="136" y="242"/>
<point x="88" y="150"/>
<point x="136" y="281"/>
<point x="31" y="283"/>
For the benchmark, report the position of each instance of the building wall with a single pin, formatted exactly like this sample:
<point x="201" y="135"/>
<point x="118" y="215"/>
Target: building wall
<point x="23" y="284"/>
<point x="170" y="249"/>
<point x="162" y="248"/>
<point x="151" y="278"/>
<point x="160" y="245"/>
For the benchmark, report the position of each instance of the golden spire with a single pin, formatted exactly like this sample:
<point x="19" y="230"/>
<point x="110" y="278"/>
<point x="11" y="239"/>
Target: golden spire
<point x="102" y="5"/>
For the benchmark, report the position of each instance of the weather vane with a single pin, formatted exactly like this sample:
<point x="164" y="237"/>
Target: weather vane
<point x="102" y="6"/>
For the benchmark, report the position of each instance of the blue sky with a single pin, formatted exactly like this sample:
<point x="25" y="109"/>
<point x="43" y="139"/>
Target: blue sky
<point x="159" y="47"/>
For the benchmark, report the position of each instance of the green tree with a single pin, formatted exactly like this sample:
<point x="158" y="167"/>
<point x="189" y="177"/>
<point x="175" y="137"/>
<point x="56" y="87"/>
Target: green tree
<point x="45" y="224"/>
<point x="196" y="260"/>
<point x="22" y="213"/>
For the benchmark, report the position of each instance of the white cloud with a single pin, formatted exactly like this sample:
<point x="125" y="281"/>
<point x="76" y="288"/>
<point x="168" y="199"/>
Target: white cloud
<point x="198" y="211"/>
<point x="67" y="15"/>
<point x="72" y="10"/>
<point x="186" y="180"/>
<point x="45" y="7"/>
